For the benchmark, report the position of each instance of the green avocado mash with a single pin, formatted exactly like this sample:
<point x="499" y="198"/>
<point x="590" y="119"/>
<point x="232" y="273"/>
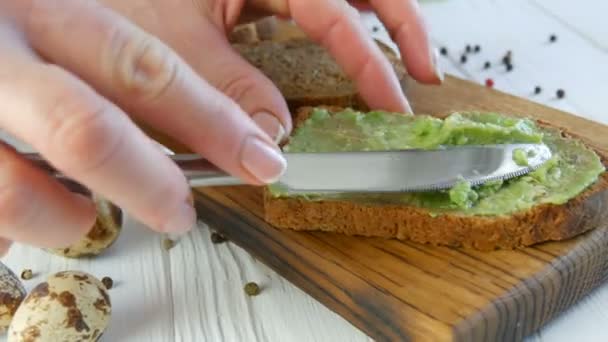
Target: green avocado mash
<point x="573" y="168"/>
<point x="520" y="157"/>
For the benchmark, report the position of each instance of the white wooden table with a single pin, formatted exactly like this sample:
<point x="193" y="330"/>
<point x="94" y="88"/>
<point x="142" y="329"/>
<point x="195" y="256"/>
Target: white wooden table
<point x="194" y="292"/>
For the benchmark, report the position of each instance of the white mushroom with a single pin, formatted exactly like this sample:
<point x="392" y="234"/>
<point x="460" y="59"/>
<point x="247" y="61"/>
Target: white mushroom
<point x="12" y="293"/>
<point x="69" y="306"/>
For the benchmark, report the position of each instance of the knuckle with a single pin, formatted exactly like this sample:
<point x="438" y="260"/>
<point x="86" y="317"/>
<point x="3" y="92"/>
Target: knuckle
<point x="238" y="86"/>
<point x="141" y="65"/>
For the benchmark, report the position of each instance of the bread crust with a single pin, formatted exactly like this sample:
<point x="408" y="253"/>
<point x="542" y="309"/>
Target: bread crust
<point x="544" y="222"/>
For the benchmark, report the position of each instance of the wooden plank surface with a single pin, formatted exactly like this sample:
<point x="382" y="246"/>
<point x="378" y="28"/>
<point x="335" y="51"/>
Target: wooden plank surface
<point x="399" y="291"/>
<point x="211" y="275"/>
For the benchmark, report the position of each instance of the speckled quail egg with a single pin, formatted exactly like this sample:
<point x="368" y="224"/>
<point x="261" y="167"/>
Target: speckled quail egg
<point x="102" y="235"/>
<point x="68" y="306"/>
<point x="12" y="294"/>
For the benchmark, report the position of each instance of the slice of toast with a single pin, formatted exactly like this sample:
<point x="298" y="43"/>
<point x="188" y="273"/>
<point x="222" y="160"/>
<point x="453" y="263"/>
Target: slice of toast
<point x="306" y="74"/>
<point x="543" y="222"/>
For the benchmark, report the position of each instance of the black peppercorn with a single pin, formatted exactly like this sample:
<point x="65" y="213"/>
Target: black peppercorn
<point x="509" y="66"/>
<point x="553" y="38"/>
<point x="487" y="65"/>
<point x="107" y="282"/>
<point x="463" y="59"/>
<point x="537" y="90"/>
<point x="217" y="238"/>
<point x="468" y="48"/>
<point x="477" y="48"/>
<point x="560" y="93"/>
<point x="443" y="51"/>
<point x="375" y="28"/>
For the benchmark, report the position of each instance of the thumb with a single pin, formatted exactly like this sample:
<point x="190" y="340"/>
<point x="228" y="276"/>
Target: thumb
<point x="230" y="73"/>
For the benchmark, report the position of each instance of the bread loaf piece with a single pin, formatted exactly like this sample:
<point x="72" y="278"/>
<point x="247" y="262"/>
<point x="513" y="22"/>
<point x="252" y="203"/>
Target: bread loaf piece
<point x="543" y="222"/>
<point x="306" y="74"/>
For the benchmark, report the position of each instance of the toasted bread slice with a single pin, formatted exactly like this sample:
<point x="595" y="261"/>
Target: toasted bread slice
<point x="306" y="74"/>
<point x="543" y="222"/>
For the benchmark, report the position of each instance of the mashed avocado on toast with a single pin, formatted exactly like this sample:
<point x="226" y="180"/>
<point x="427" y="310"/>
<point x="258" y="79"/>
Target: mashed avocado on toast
<point x="573" y="168"/>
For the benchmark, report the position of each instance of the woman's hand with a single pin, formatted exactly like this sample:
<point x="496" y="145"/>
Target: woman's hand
<point x="73" y="72"/>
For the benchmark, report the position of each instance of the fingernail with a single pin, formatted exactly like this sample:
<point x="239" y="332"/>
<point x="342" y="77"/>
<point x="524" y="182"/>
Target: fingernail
<point x="270" y="125"/>
<point x="408" y="108"/>
<point x="263" y="161"/>
<point x="435" y="60"/>
<point x="183" y="220"/>
<point x="435" y="64"/>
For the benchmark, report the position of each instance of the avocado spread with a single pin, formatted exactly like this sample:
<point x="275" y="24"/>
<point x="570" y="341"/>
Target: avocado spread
<point x="520" y="157"/>
<point x="572" y="169"/>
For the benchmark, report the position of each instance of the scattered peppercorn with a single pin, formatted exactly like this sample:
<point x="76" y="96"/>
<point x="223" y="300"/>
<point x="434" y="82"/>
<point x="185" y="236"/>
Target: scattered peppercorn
<point x="560" y="93"/>
<point x="509" y="67"/>
<point x="107" y="282"/>
<point x="489" y="83"/>
<point x="252" y="289"/>
<point x="443" y="51"/>
<point x="487" y="65"/>
<point x="27" y="274"/>
<point x="463" y="59"/>
<point x="553" y="38"/>
<point x="217" y="238"/>
<point x="375" y="28"/>
<point x="168" y="244"/>
<point x="537" y="90"/>
<point x="468" y="48"/>
<point x="477" y="48"/>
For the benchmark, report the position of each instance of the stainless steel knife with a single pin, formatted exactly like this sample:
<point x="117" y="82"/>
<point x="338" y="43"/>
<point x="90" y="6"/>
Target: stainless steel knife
<point x="377" y="171"/>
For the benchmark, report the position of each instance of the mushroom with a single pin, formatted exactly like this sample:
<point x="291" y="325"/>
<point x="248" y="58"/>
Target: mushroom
<point x="68" y="306"/>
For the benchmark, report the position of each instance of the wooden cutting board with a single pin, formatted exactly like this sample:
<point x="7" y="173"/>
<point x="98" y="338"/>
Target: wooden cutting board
<point x="396" y="290"/>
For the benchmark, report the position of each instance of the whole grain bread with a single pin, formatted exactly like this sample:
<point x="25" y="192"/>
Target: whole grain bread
<point x="545" y="222"/>
<point x="306" y="74"/>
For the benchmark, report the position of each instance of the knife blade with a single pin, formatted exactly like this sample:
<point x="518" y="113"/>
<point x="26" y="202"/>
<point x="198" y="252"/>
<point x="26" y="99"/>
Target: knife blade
<point x="408" y="170"/>
<point x="372" y="171"/>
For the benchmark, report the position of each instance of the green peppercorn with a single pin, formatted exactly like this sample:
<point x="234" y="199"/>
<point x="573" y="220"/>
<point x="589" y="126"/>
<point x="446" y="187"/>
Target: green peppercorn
<point x="252" y="289"/>
<point x="27" y="274"/>
<point x="168" y="244"/>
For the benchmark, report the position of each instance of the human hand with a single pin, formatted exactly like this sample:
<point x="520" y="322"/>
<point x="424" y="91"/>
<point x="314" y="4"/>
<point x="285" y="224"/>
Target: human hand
<point x="74" y="69"/>
<point x="70" y="71"/>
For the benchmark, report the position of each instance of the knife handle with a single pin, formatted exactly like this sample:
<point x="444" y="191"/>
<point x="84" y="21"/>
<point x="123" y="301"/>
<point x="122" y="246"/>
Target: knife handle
<point x="198" y="171"/>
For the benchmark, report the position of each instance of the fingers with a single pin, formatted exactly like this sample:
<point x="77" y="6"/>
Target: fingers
<point x="5" y="245"/>
<point x="37" y="210"/>
<point x="153" y="83"/>
<point x="404" y="21"/>
<point x="91" y="140"/>
<point x="337" y="26"/>
<point x="227" y="71"/>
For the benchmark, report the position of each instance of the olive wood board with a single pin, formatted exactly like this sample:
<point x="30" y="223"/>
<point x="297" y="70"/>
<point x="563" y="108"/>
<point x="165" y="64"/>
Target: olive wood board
<point x="400" y="291"/>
